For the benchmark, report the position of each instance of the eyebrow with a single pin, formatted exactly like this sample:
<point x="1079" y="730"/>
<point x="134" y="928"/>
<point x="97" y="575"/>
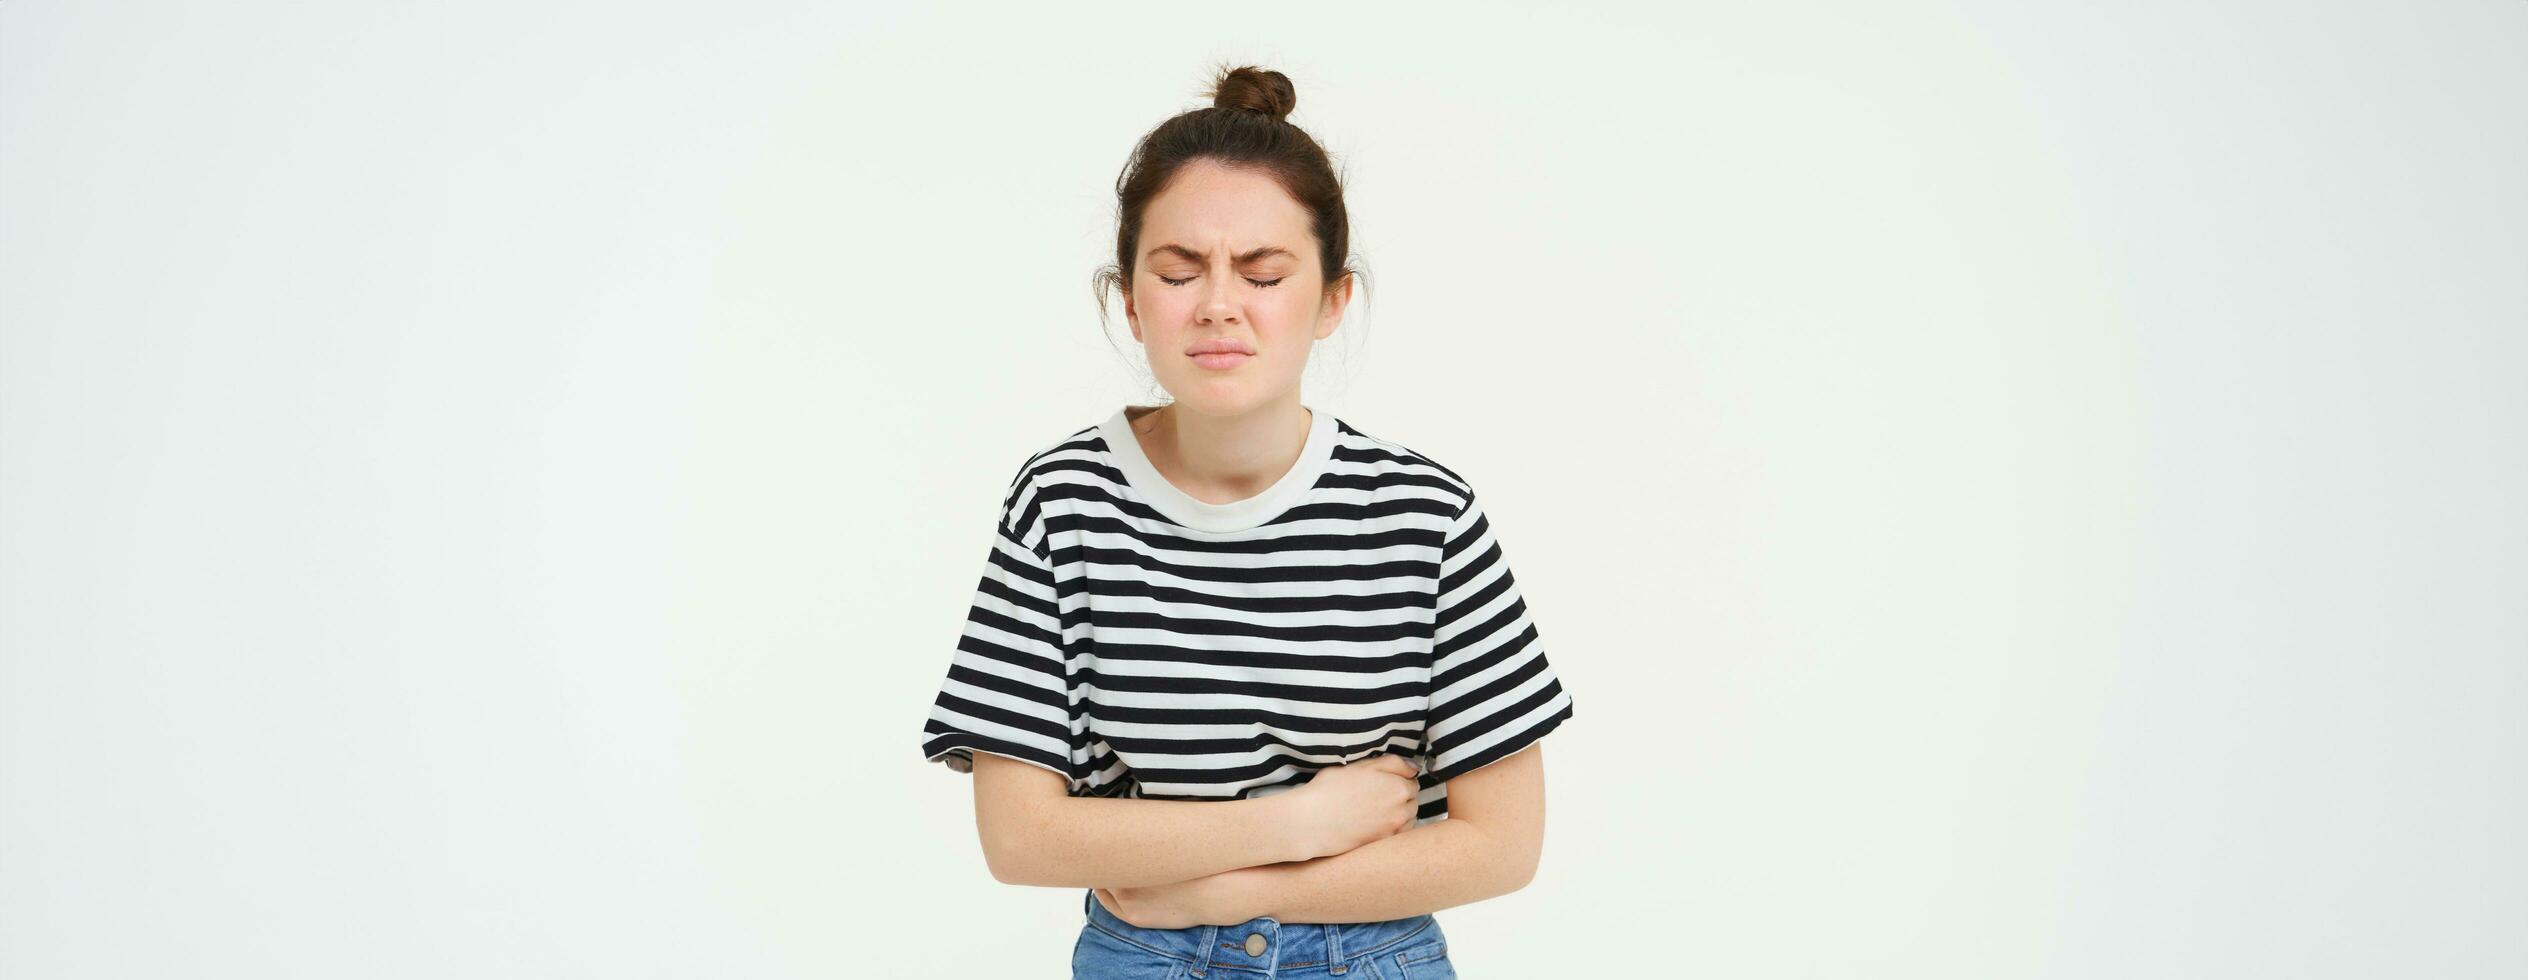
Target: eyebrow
<point x="1250" y="256"/>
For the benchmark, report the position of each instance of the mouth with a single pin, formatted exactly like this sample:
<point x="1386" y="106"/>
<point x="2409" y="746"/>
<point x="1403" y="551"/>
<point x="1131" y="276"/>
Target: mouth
<point x="1221" y="360"/>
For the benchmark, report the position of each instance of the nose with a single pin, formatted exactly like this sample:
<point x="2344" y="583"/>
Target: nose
<point x="1216" y="307"/>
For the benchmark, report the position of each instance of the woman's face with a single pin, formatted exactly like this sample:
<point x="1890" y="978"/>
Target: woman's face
<point x="1227" y="259"/>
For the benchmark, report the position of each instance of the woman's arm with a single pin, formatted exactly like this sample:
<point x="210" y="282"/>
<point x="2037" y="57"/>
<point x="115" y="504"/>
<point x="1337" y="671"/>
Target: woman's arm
<point x="1034" y="833"/>
<point x="1489" y="846"/>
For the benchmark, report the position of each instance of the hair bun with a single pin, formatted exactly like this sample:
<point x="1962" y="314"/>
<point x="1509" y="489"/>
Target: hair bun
<point x="1259" y="89"/>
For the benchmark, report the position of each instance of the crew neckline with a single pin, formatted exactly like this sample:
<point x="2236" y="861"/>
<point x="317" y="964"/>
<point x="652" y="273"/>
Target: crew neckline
<point x="1237" y="515"/>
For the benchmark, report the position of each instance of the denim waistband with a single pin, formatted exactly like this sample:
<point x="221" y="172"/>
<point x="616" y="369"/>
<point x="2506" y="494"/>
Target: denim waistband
<point x="1284" y="944"/>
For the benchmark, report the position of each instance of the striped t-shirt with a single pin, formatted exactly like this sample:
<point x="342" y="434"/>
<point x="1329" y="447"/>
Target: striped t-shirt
<point x="1146" y="644"/>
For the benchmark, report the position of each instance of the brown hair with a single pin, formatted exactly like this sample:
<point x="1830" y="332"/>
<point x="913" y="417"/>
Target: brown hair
<point x="1243" y="127"/>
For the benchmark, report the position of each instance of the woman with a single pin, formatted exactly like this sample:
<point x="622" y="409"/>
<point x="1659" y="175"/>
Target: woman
<point x="1258" y="682"/>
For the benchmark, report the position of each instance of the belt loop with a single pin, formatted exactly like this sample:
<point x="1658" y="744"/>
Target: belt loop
<point x="1205" y="942"/>
<point x="1334" y="950"/>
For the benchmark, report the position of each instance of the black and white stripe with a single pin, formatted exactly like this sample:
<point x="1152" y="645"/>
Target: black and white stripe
<point x="1371" y="610"/>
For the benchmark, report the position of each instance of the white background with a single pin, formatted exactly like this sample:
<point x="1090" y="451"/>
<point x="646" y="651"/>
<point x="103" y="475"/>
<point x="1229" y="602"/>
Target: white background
<point x="2015" y="490"/>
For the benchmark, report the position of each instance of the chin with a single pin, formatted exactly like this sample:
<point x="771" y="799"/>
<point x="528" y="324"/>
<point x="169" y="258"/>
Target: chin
<point x="1216" y="396"/>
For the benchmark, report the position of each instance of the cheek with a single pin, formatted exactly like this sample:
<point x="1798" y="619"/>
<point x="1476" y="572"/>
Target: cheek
<point x="1161" y="304"/>
<point x="1295" y="320"/>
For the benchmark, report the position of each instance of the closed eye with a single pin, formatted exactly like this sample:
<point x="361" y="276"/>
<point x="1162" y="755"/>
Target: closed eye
<point x="1187" y="279"/>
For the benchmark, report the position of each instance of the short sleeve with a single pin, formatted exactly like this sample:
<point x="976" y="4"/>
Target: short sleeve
<point x="1492" y="691"/>
<point x="1008" y="689"/>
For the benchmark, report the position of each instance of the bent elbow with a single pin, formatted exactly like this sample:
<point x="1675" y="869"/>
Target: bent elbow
<point x="1520" y="866"/>
<point x="1005" y="859"/>
<point x="1520" y="874"/>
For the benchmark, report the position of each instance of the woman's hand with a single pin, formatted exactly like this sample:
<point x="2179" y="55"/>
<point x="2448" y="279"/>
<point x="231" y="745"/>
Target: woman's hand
<point x="1346" y="806"/>
<point x="1223" y="899"/>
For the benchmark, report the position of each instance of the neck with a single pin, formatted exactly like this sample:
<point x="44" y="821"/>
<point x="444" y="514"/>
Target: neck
<point x="1220" y="459"/>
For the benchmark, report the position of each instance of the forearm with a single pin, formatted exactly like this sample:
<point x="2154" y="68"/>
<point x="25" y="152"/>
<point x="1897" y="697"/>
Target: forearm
<point x="1112" y="842"/>
<point x="1428" y="868"/>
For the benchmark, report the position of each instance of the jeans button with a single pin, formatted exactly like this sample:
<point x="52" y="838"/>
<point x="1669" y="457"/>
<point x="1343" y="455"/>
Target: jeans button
<point x="1254" y="944"/>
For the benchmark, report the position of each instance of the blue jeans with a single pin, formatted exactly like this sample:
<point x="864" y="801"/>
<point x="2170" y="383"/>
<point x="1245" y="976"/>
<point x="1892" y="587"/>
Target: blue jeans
<point x="1262" y="947"/>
